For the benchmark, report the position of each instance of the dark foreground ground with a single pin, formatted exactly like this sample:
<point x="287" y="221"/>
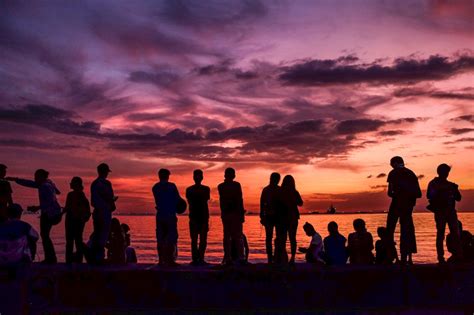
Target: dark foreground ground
<point x="254" y="289"/>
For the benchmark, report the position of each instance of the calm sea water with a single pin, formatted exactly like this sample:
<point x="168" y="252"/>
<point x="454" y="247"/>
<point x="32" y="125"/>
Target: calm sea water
<point x="143" y="235"/>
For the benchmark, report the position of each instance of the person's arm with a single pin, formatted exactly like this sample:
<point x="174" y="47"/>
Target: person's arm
<point x="68" y="205"/>
<point x="26" y="182"/>
<point x="457" y="193"/>
<point x="390" y="189"/>
<point x="32" y="239"/>
<point x="371" y="242"/>
<point x="263" y="205"/>
<point x="418" y="188"/>
<point x="10" y="194"/>
<point x="430" y="192"/>
<point x="299" y="201"/>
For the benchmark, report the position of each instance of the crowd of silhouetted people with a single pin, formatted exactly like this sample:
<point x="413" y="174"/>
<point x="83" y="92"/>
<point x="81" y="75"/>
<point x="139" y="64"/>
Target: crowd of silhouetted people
<point x="110" y="241"/>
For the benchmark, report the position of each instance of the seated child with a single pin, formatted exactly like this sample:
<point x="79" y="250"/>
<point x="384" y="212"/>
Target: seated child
<point x="360" y="244"/>
<point x="385" y="251"/>
<point x="314" y="252"/>
<point x="335" y="252"/>
<point x="116" y="244"/>
<point x="131" y="256"/>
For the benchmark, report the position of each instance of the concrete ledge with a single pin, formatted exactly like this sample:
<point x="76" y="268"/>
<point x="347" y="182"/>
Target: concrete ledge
<point x="364" y="289"/>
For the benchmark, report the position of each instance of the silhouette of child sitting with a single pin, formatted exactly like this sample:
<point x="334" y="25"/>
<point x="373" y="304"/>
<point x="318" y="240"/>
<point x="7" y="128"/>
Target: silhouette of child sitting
<point x="360" y="244"/>
<point x="116" y="244"/>
<point x="467" y="245"/>
<point x="385" y="251"/>
<point x="234" y="253"/>
<point x="314" y="252"/>
<point x="131" y="256"/>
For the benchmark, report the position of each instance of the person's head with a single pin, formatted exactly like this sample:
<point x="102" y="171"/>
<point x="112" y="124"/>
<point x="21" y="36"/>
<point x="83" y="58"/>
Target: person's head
<point x="333" y="228"/>
<point x="397" y="162"/>
<point x="164" y="174"/>
<point x="76" y="183"/>
<point x="3" y="170"/>
<point x="309" y="229"/>
<point x="382" y="232"/>
<point x="274" y="178"/>
<point x="359" y="225"/>
<point x="288" y="183"/>
<point x="41" y="175"/>
<point x="125" y="228"/>
<point x="198" y="176"/>
<point x="14" y="211"/>
<point x="103" y="170"/>
<point x="443" y="170"/>
<point x="229" y="174"/>
<point x="115" y="225"/>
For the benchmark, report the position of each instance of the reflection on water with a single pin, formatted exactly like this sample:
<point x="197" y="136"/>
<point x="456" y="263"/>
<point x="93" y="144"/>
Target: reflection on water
<point x="143" y="234"/>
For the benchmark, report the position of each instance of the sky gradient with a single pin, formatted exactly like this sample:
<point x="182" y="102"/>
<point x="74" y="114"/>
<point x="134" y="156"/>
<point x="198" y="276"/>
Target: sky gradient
<point x="326" y="91"/>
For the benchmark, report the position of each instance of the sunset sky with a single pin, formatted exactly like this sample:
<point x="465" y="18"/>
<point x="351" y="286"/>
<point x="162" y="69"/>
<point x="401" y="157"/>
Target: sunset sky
<point x="327" y="91"/>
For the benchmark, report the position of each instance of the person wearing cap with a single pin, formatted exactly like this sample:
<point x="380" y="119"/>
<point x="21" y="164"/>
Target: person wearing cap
<point x="166" y="199"/>
<point x="442" y="195"/>
<point x="232" y="215"/>
<point x="78" y="212"/>
<point x="404" y="189"/>
<point x="5" y="188"/>
<point x="103" y="202"/>
<point x="49" y="207"/>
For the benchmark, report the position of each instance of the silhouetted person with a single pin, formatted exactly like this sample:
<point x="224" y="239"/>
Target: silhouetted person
<point x="5" y="188"/>
<point x="404" y="189"/>
<point x="49" y="206"/>
<point x="166" y="199"/>
<point x="385" y="251"/>
<point x="268" y="210"/>
<point x="442" y="195"/>
<point x="315" y="251"/>
<point x="335" y="252"/>
<point x="131" y="255"/>
<point x="467" y="245"/>
<point x="360" y="244"/>
<point x="17" y="238"/>
<point x="287" y="217"/>
<point x="232" y="215"/>
<point x="103" y="202"/>
<point x="116" y="244"/>
<point x="78" y="212"/>
<point x="198" y="195"/>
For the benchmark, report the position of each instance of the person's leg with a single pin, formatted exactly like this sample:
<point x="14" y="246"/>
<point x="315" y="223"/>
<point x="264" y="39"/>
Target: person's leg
<point x="103" y="236"/>
<point x="227" y="241"/>
<point x="392" y="219"/>
<point x="203" y="240"/>
<point x="281" y="255"/>
<point x="79" y="241"/>
<point x="440" y="231"/>
<point x="159" y="240"/>
<point x="407" y="233"/>
<point x="48" y="247"/>
<point x="269" y="225"/>
<point x="193" y="232"/>
<point x="69" y="240"/>
<point x="452" y="220"/>
<point x="173" y="239"/>
<point x="237" y="238"/>
<point x="293" y="228"/>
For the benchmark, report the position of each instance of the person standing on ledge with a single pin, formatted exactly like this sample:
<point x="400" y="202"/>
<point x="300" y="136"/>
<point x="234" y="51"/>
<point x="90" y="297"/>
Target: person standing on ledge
<point x="103" y="201"/>
<point x="443" y="195"/>
<point x="232" y="215"/>
<point x="49" y="207"/>
<point x="290" y="200"/>
<point x="198" y="195"/>
<point x="268" y="205"/>
<point x="78" y="212"/>
<point x="166" y="199"/>
<point x="404" y="189"/>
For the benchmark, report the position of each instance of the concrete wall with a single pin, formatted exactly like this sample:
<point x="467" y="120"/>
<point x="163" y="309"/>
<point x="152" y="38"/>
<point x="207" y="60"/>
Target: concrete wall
<point x="253" y="288"/>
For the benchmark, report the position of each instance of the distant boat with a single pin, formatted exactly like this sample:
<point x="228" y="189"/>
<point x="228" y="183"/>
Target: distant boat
<point x="331" y="209"/>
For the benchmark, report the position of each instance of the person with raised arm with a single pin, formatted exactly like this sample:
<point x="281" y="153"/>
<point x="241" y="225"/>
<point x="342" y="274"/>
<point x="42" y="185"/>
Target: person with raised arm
<point x="50" y="210"/>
